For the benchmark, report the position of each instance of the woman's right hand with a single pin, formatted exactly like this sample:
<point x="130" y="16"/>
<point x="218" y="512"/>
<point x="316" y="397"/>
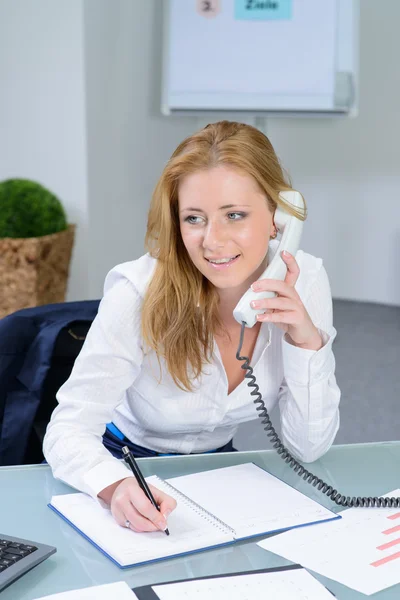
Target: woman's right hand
<point x="130" y="503"/>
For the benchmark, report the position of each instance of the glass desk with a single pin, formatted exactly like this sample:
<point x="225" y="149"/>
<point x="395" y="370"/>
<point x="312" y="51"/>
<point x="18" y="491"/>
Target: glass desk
<point x="359" y="470"/>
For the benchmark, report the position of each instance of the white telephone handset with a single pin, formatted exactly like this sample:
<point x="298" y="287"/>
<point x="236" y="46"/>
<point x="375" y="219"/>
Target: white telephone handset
<point x="290" y="228"/>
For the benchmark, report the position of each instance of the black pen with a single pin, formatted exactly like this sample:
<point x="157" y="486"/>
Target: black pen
<point x="129" y="459"/>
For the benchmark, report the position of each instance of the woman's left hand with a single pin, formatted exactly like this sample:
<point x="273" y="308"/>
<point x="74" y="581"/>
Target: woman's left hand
<point x="287" y="310"/>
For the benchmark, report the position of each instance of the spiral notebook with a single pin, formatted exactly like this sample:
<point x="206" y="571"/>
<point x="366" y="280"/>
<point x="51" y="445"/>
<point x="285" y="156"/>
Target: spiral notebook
<point x="214" y="508"/>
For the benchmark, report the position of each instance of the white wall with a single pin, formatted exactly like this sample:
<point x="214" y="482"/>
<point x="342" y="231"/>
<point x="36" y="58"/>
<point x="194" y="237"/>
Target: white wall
<point x="42" y="108"/>
<point x="348" y="170"/>
<point x="128" y="140"/>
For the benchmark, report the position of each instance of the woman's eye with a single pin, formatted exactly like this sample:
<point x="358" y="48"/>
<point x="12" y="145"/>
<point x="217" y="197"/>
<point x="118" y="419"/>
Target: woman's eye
<point x="236" y="216"/>
<point x="233" y="216"/>
<point x="193" y="219"/>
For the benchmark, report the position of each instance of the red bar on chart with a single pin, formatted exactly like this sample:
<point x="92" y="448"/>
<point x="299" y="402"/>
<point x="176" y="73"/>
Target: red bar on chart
<point x="382" y="561"/>
<point x="388" y="544"/>
<point x="395" y="516"/>
<point x="391" y="530"/>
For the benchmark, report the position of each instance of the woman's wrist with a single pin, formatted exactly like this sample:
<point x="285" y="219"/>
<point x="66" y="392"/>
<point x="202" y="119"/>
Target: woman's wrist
<point x="108" y="492"/>
<point x="314" y="343"/>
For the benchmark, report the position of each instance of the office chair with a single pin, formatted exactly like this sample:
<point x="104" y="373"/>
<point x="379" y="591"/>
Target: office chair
<point x="38" y="348"/>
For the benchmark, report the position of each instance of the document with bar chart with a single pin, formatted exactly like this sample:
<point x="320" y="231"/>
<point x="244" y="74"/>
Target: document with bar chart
<point x="361" y="550"/>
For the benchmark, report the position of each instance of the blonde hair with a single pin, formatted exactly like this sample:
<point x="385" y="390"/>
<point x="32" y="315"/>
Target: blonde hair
<point x="180" y="308"/>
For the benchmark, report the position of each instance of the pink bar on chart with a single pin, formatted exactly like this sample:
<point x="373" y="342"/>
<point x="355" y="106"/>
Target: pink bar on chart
<point x="387" y="559"/>
<point x="388" y="544"/>
<point x="391" y="530"/>
<point x="395" y="516"/>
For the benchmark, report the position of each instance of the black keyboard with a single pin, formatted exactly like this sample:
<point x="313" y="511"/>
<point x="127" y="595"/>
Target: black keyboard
<point x="17" y="556"/>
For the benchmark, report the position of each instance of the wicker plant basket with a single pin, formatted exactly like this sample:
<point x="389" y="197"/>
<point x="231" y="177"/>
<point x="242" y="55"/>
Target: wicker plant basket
<point x="34" y="271"/>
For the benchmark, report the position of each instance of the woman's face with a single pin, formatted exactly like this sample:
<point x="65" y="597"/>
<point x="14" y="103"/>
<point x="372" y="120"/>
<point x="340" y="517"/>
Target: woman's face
<point x="226" y="225"/>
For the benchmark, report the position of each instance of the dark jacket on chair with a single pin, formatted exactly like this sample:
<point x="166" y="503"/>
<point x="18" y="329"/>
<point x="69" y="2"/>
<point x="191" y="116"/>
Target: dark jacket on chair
<point x="28" y="339"/>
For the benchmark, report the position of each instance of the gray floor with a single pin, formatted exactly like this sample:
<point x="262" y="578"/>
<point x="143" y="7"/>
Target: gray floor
<point x="367" y="352"/>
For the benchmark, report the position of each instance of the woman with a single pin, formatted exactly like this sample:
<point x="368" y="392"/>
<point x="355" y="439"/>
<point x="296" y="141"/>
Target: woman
<point x="158" y="370"/>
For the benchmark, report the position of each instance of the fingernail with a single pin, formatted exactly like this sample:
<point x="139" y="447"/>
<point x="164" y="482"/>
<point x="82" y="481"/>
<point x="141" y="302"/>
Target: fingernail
<point x="255" y="287"/>
<point x="166" y="514"/>
<point x="162" y="525"/>
<point x="286" y="253"/>
<point x="263" y="317"/>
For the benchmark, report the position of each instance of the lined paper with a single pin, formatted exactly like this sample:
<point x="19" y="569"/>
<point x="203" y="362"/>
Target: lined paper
<point x="250" y="500"/>
<point x="189" y="531"/>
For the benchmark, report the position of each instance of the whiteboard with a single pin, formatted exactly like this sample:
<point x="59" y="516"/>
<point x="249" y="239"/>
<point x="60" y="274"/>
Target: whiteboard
<point x="303" y="59"/>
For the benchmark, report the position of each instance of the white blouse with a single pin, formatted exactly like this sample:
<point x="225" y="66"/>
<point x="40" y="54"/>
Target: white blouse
<point x="114" y="381"/>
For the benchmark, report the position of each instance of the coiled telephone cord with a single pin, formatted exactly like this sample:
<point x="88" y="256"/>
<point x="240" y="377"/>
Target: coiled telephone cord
<point x="339" y="499"/>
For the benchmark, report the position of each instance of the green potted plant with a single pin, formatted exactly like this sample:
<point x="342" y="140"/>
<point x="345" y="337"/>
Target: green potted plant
<point x="36" y="244"/>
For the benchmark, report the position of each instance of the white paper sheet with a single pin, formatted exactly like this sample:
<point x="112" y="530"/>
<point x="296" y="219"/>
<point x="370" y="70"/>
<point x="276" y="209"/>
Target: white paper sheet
<point x="279" y="586"/>
<point x="120" y="590"/>
<point x="362" y="550"/>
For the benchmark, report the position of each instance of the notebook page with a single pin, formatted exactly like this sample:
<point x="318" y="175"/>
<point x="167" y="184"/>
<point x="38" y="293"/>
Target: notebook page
<point x="279" y="586"/>
<point x="250" y="500"/>
<point x="120" y="590"/>
<point x="188" y="530"/>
